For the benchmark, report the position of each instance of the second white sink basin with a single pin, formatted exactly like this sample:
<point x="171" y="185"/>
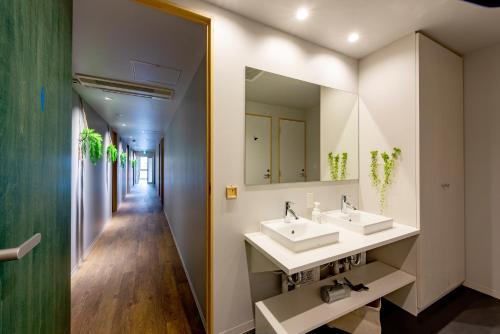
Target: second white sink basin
<point x="300" y="234"/>
<point x="358" y="221"/>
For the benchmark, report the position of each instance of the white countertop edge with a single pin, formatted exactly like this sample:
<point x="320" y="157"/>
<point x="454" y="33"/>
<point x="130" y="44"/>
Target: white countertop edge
<point x="277" y="253"/>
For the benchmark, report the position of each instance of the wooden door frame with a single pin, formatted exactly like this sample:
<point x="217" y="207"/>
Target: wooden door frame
<point x="161" y="165"/>
<point x="174" y="9"/>
<point x="114" y="176"/>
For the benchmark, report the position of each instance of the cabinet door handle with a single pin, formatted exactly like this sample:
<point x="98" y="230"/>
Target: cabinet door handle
<point x="445" y="185"/>
<point x="20" y="251"/>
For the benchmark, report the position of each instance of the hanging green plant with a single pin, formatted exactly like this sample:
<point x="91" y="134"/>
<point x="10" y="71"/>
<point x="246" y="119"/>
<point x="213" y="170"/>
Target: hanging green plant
<point x="374" y="169"/>
<point x="134" y="163"/>
<point x="333" y="163"/>
<point x="389" y="166"/>
<point x="123" y="159"/>
<point x="91" y="142"/>
<point x="343" y="166"/>
<point x="112" y="153"/>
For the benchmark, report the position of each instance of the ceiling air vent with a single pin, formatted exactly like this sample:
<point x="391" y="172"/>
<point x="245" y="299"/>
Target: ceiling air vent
<point x="252" y="74"/>
<point x="126" y="88"/>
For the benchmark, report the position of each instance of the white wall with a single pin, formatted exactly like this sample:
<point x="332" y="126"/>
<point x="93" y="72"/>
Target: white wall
<point x="239" y="42"/>
<point x="388" y="118"/>
<point x="482" y="163"/>
<point x="96" y="182"/>
<point x="185" y="180"/>
<point x="339" y="130"/>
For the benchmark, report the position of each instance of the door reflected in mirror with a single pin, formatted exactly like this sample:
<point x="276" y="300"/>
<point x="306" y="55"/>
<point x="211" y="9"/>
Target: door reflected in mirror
<point x="297" y="131"/>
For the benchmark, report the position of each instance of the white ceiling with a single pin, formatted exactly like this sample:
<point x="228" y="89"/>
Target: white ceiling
<point x="461" y="26"/>
<point x="108" y="36"/>
<point x="276" y="89"/>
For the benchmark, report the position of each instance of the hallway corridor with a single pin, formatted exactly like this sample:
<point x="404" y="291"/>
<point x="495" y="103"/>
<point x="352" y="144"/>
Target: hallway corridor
<point x="133" y="280"/>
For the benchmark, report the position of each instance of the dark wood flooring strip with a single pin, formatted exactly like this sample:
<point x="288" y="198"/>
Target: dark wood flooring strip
<point x="133" y="280"/>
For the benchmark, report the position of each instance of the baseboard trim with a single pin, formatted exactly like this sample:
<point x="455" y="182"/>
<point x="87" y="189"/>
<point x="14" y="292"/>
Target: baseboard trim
<point x="241" y="328"/>
<point x="86" y="252"/>
<point x="198" y="306"/>
<point x="483" y="289"/>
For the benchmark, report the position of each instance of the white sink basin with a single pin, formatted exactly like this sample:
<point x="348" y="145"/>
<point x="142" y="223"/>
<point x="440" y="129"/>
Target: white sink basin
<point x="358" y="221"/>
<point x="300" y="234"/>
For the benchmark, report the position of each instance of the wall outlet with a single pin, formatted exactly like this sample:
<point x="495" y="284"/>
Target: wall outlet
<point x="310" y="200"/>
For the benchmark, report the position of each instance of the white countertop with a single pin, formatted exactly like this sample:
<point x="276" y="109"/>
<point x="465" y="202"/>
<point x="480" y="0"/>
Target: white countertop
<point x="350" y="243"/>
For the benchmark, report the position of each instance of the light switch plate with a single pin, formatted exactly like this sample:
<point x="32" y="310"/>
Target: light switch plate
<point x="310" y="200"/>
<point x="231" y="192"/>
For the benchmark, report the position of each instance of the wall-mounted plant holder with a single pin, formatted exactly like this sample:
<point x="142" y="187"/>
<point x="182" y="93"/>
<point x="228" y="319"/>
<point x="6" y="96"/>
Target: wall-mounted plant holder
<point x="383" y="185"/>
<point x="112" y="153"/>
<point x="123" y="159"/>
<point x="91" y="142"/>
<point x="338" y="162"/>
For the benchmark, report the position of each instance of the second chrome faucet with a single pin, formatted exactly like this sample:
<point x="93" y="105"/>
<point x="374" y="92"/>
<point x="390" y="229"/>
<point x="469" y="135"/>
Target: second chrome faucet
<point x="344" y="204"/>
<point x="289" y="210"/>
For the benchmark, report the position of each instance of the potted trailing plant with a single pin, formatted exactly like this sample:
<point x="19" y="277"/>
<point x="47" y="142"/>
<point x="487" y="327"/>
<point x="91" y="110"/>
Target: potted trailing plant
<point x="374" y="169"/>
<point x="123" y="159"/>
<point x="336" y="161"/>
<point x="343" y="166"/>
<point x="333" y="163"/>
<point x="91" y="142"/>
<point x="112" y="153"/>
<point x="389" y="166"/>
<point x="134" y="163"/>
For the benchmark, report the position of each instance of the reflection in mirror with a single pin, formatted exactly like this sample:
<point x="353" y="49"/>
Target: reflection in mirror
<point x="296" y="131"/>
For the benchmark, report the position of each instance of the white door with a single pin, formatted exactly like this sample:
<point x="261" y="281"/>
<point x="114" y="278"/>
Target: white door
<point x="258" y="149"/>
<point x="292" y="151"/>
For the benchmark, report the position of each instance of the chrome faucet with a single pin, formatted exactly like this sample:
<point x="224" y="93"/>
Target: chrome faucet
<point x="344" y="204"/>
<point x="288" y="209"/>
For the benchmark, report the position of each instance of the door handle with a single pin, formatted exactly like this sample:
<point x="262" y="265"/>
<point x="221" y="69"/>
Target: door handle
<point x="19" y="252"/>
<point x="267" y="175"/>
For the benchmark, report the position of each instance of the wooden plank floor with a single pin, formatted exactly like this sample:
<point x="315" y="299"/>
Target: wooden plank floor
<point x="133" y="280"/>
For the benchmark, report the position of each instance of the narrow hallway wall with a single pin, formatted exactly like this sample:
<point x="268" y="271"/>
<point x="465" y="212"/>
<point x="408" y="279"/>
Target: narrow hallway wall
<point x="96" y="182"/>
<point x="185" y="194"/>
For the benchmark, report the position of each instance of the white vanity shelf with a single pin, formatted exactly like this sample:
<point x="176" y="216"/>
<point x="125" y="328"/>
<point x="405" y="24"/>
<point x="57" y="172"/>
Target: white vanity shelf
<point x="302" y="310"/>
<point x="350" y="243"/>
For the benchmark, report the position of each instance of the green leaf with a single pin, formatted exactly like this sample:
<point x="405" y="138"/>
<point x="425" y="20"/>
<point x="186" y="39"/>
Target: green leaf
<point x="343" y="166"/>
<point x="91" y="142"/>
<point x="123" y="159"/>
<point x="112" y="153"/>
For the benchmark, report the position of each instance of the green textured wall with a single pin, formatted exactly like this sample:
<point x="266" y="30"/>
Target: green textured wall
<point x="35" y="148"/>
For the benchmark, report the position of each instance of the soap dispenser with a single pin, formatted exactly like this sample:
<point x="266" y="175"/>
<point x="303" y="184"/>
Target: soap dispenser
<point x="316" y="213"/>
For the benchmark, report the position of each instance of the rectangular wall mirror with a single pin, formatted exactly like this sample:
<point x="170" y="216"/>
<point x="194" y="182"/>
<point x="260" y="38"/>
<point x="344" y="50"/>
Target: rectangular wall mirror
<point x="296" y="131"/>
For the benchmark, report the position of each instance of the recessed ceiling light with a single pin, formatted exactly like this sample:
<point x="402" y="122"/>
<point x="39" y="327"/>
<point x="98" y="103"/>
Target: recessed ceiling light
<point x="353" y="37"/>
<point x="123" y="124"/>
<point x="302" y="13"/>
<point x="107" y="98"/>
